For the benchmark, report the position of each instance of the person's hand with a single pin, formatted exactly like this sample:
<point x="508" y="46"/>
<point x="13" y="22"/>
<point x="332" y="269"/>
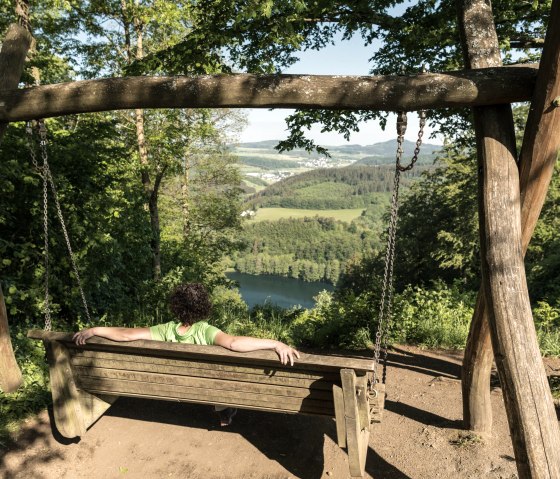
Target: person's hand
<point x="81" y="337"/>
<point x="286" y="353"/>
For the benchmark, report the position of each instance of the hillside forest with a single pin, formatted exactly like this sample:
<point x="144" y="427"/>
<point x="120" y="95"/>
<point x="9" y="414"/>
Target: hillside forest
<point x="153" y="198"/>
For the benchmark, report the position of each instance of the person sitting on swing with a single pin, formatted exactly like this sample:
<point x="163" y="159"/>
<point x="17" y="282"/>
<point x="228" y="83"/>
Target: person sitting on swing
<point x="190" y="303"/>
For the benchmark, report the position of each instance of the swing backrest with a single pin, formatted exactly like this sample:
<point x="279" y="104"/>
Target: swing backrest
<point x="203" y="374"/>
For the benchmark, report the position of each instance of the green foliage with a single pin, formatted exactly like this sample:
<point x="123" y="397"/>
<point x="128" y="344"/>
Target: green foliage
<point x="33" y="395"/>
<point x="103" y="213"/>
<point x="312" y="249"/>
<point x="331" y="188"/>
<point x="434" y="317"/>
<point x="228" y="306"/>
<point x="547" y="321"/>
<point x="267" y="163"/>
<point x="438" y="225"/>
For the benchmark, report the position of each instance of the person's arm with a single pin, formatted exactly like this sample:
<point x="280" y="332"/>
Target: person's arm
<point x="115" y="334"/>
<point x="243" y="344"/>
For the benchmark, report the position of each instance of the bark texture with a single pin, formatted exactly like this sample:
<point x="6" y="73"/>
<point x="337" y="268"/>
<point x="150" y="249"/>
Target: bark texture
<point x="531" y="415"/>
<point x="15" y="46"/>
<point x="541" y="146"/>
<point x="387" y="93"/>
<point x="14" y="50"/>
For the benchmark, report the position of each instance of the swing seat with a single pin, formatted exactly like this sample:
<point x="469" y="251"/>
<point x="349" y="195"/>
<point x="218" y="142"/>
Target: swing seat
<point x="86" y="380"/>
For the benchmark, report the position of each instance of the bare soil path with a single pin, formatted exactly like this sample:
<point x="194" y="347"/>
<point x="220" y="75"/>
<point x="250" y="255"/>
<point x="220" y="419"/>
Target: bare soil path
<point x="420" y="437"/>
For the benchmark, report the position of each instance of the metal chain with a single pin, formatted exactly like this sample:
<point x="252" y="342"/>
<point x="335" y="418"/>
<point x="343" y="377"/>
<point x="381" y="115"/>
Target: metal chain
<point x="385" y="306"/>
<point x="47" y="177"/>
<point x="41" y="171"/>
<point x="422" y="117"/>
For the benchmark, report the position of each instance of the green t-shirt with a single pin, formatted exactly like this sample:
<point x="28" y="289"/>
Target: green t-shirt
<point x="199" y="333"/>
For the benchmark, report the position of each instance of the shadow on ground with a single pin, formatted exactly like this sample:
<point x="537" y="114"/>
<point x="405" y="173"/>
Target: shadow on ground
<point x="295" y="442"/>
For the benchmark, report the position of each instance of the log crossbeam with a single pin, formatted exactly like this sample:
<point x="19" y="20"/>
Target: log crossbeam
<point x="384" y="93"/>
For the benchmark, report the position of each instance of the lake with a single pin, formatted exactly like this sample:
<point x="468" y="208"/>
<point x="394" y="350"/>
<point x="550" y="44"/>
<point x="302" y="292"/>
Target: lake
<point x="285" y="292"/>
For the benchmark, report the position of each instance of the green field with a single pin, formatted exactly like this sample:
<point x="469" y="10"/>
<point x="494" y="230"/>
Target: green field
<point x="273" y="214"/>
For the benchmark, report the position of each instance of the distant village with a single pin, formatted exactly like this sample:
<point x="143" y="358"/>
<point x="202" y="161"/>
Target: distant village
<point x="273" y="177"/>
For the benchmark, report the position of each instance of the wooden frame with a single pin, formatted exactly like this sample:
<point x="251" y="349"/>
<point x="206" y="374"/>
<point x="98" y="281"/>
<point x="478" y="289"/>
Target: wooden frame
<point x="503" y="310"/>
<point x="85" y="381"/>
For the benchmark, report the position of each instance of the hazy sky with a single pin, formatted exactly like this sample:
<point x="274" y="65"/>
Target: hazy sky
<point x="344" y="58"/>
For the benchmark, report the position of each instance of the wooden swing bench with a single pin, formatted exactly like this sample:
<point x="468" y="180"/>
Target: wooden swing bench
<point x="86" y="380"/>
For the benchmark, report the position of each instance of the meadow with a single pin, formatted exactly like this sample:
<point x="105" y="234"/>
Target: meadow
<point x="273" y="214"/>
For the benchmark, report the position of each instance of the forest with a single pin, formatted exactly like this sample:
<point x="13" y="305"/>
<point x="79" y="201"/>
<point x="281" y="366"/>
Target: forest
<point x="331" y="188"/>
<point x="152" y="198"/>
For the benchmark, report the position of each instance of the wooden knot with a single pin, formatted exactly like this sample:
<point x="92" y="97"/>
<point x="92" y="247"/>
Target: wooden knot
<point x="556" y="101"/>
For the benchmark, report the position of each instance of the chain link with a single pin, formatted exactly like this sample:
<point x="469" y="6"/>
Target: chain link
<point x="385" y="305"/>
<point x="48" y="180"/>
<point x="41" y="171"/>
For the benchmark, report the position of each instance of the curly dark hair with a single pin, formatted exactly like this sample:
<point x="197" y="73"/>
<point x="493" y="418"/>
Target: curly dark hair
<point x="190" y="303"/>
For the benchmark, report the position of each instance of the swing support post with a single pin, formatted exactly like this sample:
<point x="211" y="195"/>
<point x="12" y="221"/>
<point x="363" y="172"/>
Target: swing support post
<point x="15" y="46"/>
<point x="528" y="401"/>
<point x="10" y="374"/>
<point x="539" y="153"/>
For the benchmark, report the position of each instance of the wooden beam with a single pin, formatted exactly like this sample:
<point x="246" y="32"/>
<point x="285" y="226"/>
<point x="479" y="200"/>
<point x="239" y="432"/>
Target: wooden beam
<point x="357" y="433"/>
<point x="529" y="407"/>
<point x="413" y="92"/>
<point x="10" y="374"/>
<point x="67" y="407"/>
<point x="539" y="153"/>
<point x="541" y="143"/>
<point x="476" y="371"/>
<point x="377" y="403"/>
<point x="306" y="361"/>
<point x="94" y="406"/>
<point x="338" y="399"/>
<point x="14" y="50"/>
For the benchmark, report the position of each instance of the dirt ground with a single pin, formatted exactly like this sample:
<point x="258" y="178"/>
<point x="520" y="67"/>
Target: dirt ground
<point x="420" y="437"/>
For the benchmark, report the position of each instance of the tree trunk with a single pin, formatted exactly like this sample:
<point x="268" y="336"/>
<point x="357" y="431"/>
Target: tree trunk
<point x="10" y="374"/>
<point x="477" y="367"/>
<point x="14" y="50"/>
<point x="480" y="50"/>
<point x="529" y="406"/>
<point x="150" y="193"/>
<point x="15" y="46"/>
<point x="539" y="152"/>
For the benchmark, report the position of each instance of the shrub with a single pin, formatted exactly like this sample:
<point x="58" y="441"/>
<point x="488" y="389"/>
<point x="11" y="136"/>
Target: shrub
<point x="547" y="322"/>
<point x="435" y="317"/>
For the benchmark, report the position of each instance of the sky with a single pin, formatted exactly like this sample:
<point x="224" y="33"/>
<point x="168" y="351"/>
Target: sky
<point x="348" y="57"/>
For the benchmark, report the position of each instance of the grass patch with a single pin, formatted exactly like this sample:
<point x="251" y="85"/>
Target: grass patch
<point x="273" y="214"/>
<point x="554" y="382"/>
<point x="466" y="440"/>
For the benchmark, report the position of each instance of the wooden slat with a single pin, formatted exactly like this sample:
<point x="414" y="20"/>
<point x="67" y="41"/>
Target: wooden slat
<point x="94" y="406"/>
<point x="203" y="383"/>
<point x="355" y="403"/>
<point x="286" y="372"/>
<point x="377" y="403"/>
<point x="362" y="400"/>
<point x="66" y="401"/>
<point x="216" y="353"/>
<point x="182" y="393"/>
<point x="265" y="408"/>
<point x="182" y="370"/>
<point x="338" y="399"/>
